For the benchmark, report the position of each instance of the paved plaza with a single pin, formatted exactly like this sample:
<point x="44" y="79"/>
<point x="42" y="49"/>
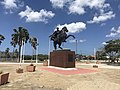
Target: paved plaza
<point x="106" y="78"/>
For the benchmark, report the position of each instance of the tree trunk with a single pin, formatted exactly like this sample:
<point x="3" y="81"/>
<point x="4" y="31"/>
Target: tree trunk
<point x="23" y="51"/>
<point x="32" y="55"/>
<point x="19" y="53"/>
<point x="13" y="53"/>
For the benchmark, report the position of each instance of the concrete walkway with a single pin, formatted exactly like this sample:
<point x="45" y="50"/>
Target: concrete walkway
<point x="101" y="65"/>
<point x="17" y="63"/>
<point x="91" y="64"/>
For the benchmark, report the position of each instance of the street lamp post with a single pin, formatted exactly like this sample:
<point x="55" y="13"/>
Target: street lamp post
<point x="49" y="53"/>
<point x="76" y="45"/>
<point x="37" y="51"/>
<point x="95" y="53"/>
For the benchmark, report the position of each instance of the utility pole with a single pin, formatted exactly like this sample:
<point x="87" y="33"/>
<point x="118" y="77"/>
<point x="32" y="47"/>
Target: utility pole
<point x="49" y="52"/>
<point x="76" y="45"/>
<point x="37" y="51"/>
<point x="95" y="53"/>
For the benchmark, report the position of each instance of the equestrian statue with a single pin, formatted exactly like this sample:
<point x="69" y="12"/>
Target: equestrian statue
<point x="60" y="36"/>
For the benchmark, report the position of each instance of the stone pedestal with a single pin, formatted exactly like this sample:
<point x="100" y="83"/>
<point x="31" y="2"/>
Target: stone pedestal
<point x="62" y="58"/>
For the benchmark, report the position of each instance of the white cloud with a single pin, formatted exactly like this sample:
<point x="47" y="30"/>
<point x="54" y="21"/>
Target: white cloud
<point x="72" y="41"/>
<point x="59" y="3"/>
<point x="79" y="6"/>
<point x="82" y="41"/>
<point x="103" y="24"/>
<point x="12" y="5"/>
<point x="78" y="41"/>
<point x="119" y="6"/>
<point x="103" y="17"/>
<point x="34" y="16"/>
<point x="74" y="27"/>
<point x="114" y="32"/>
<point x="9" y="4"/>
<point x="104" y="43"/>
<point x="96" y="3"/>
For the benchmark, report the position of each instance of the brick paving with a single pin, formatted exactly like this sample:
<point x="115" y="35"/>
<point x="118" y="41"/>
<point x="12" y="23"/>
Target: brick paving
<point x="69" y="72"/>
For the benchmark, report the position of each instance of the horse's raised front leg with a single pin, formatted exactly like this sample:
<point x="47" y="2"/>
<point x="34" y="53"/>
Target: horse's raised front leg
<point x="70" y="36"/>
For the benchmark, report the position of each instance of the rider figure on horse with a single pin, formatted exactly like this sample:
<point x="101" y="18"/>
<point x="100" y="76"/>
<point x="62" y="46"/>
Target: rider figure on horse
<point x="54" y="36"/>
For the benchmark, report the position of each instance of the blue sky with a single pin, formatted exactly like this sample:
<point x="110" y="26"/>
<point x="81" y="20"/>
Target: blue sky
<point x="91" y="21"/>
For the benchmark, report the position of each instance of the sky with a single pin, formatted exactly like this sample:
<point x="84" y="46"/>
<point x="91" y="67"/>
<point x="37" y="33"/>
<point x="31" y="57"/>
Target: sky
<point x="92" y="22"/>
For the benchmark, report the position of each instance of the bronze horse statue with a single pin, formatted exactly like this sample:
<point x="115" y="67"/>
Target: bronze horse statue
<point x="58" y="37"/>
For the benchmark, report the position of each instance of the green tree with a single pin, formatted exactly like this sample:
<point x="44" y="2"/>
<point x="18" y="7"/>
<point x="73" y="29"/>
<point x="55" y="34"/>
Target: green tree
<point x="28" y="57"/>
<point x="16" y="53"/>
<point x="101" y="54"/>
<point x="34" y="43"/>
<point x="7" y="53"/>
<point x="112" y="48"/>
<point x="13" y="43"/>
<point x="1" y="38"/>
<point x="42" y="57"/>
<point x="20" y="37"/>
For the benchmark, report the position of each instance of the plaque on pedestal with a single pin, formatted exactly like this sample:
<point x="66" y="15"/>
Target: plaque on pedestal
<point x="62" y="58"/>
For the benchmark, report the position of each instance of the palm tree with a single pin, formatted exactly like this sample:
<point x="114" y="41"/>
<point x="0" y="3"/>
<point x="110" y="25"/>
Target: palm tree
<point x="20" y="37"/>
<point x="34" y="43"/>
<point x="1" y="38"/>
<point x="7" y="53"/>
<point x="16" y="53"/>
<point x="13" y="43"/>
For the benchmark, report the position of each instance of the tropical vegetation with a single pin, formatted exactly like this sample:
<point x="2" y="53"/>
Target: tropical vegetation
<point x="110" y="51"/>
<point x="1" y="38"/>
<point x="19" y="37"/>
<point x="7" y="53"/>
<point x="34" y="43"/>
